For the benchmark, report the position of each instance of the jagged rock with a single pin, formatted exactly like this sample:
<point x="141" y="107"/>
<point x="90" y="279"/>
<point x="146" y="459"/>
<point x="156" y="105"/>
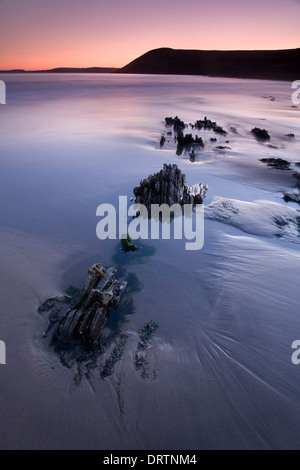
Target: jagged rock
<point x="162" y="141"/>
<point x="277" y="163"/>
<point x="219" y="130"/>
<point x="85" y="321"/>
<point x="261" y="134"/>
<point x="294" y="197"/>
<point x="208" y="124"/>
<point x="168" y="186"/>
<point x="183" y="140"/>
<point x="187" y="140"/>
<point x="192" y="156"/>
<point x="175" y="122"/>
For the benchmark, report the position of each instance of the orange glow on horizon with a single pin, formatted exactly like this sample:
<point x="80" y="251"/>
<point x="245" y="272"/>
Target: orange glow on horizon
<point x="42" y="35"/>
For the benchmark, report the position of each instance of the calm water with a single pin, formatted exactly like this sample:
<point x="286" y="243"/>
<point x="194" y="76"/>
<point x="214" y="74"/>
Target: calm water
<point x="220" y="370"/>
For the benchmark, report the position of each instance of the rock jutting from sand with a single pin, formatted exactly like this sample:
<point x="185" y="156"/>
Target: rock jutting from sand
<point x="277" y="163"/>
<point x="175" y="122"/>
<point x="292" y="197"/>
<point x="261" y="134"/>
<point x="190" y="142"/>
<point x="223" y="147"/>
<point x="207" y="124"/>
<point x="162" y="141"/>
<point x="168" y="186"/>
<point x="184" y="141"/>
<point x="187" y="140"/>
<point x="280" y="164"/>
<point x="85" y="321"/>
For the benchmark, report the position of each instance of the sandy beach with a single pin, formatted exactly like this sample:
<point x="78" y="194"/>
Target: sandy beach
<point x="219" y="369"/>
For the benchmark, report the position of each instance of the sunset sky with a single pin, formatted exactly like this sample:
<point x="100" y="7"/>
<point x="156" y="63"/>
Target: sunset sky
<point x="42" y="34"/>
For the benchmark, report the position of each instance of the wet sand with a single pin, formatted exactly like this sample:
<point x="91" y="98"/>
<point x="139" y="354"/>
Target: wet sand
<point x="220" y="369"/>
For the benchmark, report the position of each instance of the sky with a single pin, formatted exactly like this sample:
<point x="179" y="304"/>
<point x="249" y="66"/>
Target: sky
<point x="42" y="34"/>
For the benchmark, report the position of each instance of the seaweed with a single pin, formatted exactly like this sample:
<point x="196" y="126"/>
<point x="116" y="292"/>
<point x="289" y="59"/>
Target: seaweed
<point x="147" y="331"/>
<point x="127" y="245"/>
<point x="114" y="357"/>
<point x="280" y="221"/>
<point x="69" y="296"/>
<point x="140" y="360"/>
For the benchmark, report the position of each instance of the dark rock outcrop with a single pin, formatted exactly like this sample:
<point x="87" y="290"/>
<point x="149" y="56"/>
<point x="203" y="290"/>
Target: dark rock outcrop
<point x="85" y="321"/>
<point x="168" y="186"/>
<point x="261" y="134"/>
<point x="175" y="122"/>
<point x="187" y="140"/>
<point x="207" y="124"/>
<point x="277" y="163"/>
<point x="184" y="141"/>
<point x="162" y="141"/>
<point x="192" y="156"/>
<point x="293" y="197"/>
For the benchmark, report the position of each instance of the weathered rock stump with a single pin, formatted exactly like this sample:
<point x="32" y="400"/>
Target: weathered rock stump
<point x="85" y="321"/>
<point x="168" y="186"/>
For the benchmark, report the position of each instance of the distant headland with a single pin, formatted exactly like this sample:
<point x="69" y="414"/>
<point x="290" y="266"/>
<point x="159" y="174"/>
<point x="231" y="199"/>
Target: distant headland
<point x="268" y="65"/>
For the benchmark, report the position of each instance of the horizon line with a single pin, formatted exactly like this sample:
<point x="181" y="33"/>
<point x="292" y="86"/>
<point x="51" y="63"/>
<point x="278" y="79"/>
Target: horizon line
<point x="21" y="70"/>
